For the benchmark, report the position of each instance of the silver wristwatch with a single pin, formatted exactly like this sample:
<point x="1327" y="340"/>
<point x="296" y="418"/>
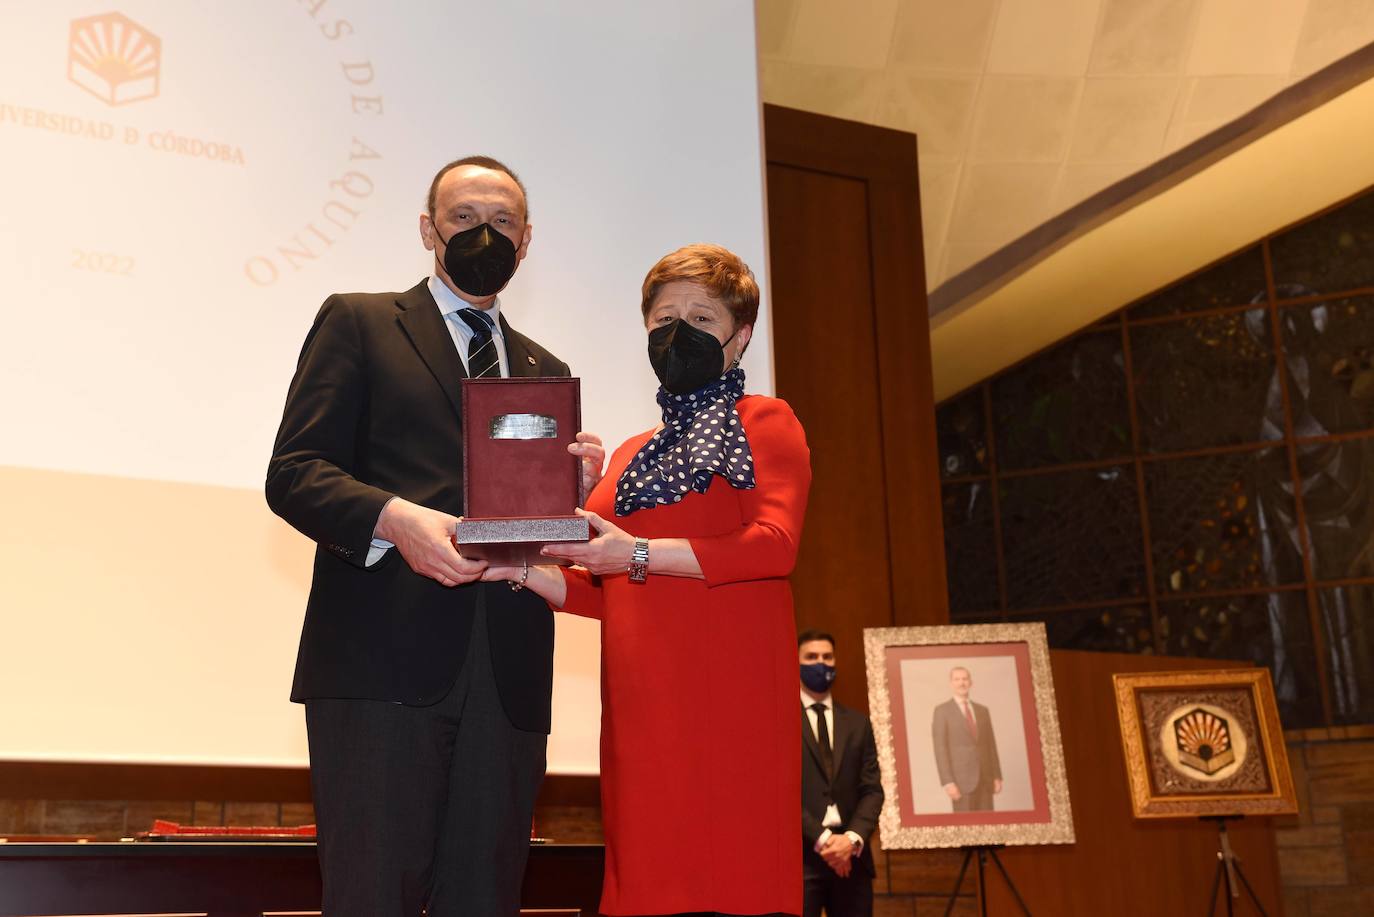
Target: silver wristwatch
<point x="639" y="561"/>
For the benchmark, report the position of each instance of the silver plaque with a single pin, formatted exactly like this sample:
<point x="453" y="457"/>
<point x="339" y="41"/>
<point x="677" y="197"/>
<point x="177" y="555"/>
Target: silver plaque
<point x="523" y="426"/>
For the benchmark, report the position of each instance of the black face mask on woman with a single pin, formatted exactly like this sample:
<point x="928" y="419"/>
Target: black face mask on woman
<point x="479" y="261"/>
<point x="686" y="358"/>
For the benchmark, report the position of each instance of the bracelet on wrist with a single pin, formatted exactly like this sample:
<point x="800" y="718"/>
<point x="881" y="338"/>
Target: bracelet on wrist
<point x="517" y="585"/>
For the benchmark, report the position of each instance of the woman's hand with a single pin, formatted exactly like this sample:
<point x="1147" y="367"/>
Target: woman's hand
<point x="544" y="580"/>
<point x="499" y="574"/>
<point x="608" y="552"/>
<point x="593" y="455"/>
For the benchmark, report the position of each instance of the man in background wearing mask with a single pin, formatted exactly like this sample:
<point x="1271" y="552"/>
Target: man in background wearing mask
<point x="427" y="692"/>
<point x="842" y="792"/>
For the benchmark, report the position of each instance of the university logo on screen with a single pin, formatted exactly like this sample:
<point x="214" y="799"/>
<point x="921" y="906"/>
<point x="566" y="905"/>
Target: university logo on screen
<point x="114" y="58"/>
<point x="119" y="61"/>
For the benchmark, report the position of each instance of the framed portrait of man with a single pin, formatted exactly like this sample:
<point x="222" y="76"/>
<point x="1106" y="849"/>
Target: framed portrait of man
<point x="968" y="736"/>
<point x="1204" y="744"/>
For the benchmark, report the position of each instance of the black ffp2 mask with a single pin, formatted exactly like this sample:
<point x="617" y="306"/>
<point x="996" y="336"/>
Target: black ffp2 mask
<point x="480" y="261"/>
<point x="685" y="358"/>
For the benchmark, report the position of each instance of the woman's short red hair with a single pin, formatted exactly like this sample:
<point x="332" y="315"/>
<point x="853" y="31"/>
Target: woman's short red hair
<point x="720" y="271"/>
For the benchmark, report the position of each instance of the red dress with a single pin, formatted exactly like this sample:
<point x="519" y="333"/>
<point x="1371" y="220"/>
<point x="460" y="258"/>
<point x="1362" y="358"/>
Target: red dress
<point x="700" y="756"/>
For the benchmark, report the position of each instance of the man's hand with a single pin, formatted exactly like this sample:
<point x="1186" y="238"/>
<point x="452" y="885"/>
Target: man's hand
<point x="608" y="552"/>
<point x="838" y="854"/>
<point x="589" y="448"/>
<point x="952" y="791"/>
<point x="424" y="537"/>
<point x="839" y="845"/>
<point x="996" y="787"/>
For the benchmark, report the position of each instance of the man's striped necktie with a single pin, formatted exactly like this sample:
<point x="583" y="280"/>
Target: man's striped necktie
<point x="483" y="361"/>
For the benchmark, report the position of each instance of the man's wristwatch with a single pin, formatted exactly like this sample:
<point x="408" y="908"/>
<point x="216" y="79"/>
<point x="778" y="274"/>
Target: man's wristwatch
<point x="639" y="561"/>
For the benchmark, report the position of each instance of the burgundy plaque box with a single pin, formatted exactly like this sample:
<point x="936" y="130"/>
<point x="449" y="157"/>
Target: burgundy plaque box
<point x="520" y="483"/>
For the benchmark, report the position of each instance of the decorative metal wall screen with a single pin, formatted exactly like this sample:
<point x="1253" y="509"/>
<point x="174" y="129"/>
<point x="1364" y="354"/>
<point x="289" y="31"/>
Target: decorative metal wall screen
<point x="1193" y="475"/>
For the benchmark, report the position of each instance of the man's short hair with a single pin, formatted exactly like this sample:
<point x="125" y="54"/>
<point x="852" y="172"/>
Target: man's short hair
<point x="960" y="668"/>
<point x="484" y="162"/>
<point x="807" y="636"/>
<point x="720" y="271"/>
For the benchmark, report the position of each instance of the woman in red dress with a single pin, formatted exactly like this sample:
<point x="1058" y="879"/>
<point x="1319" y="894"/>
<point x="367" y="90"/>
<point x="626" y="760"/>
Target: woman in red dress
<point x="700" y="765"/>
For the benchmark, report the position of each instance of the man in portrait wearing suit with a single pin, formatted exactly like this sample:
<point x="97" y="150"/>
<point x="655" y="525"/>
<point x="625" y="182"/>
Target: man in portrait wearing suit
<point x="842" y="792"/>
<point x="965" y="747"/>
<point x="426" y="691"/>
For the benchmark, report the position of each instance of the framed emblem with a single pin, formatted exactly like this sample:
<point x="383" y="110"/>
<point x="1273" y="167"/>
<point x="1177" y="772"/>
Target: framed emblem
<point x="1203" y="744"/>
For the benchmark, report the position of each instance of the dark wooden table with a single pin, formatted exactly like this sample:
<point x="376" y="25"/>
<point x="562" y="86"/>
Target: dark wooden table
<point x="232" y="879"/>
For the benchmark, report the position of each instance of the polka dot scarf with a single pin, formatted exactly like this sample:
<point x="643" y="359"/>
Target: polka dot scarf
<point x="701" y="436"/>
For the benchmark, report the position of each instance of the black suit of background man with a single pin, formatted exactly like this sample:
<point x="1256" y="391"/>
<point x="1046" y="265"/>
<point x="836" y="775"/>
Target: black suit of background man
<point x="965" y="754"/>
<point x="838" y="877"/>
<point x="427" y="691"/>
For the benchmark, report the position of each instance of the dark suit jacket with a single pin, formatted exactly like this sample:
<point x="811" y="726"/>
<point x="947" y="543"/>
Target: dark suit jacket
<point x="856" y="787"/>
<point x="959" y="759"/>
<point x="374" y="411"/>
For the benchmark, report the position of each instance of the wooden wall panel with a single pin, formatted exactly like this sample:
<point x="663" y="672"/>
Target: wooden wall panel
<point x="1121" y="865"/>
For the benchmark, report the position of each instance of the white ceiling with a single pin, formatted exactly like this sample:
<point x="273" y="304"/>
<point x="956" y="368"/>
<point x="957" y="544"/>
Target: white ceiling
<point x="1023" y="108"/>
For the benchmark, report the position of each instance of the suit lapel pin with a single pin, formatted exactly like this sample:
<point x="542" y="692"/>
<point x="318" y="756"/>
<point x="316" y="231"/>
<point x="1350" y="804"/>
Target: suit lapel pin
<point x="530" y="360"/>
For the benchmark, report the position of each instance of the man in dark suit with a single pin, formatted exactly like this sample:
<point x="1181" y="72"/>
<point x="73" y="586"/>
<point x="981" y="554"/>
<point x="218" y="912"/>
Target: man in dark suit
<point x="427" y="691"/>
<point x="842" y="792"/>
<point x="965" y="747"/>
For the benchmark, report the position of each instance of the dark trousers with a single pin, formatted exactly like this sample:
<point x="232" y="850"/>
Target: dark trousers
<point x="822" y="888"/>
<point x="980" y="800"/>
<point x="424" y="807"/>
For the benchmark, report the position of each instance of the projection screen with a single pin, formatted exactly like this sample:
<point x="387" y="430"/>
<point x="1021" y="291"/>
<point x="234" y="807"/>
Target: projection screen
<point x="183" y="185"/>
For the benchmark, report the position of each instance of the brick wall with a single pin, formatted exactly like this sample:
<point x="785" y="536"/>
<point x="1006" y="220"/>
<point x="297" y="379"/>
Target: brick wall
<point x="1326" y="852"/>
<point x="110" y="820"/>
<point x="911" y="882"/>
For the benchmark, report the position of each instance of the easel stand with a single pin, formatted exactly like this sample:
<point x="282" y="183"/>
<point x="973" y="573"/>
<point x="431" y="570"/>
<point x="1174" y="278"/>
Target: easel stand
<point x="1228" y="865"/>
<point x="984" y="853"/>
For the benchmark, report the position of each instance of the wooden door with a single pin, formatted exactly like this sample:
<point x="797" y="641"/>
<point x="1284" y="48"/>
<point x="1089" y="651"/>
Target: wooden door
<point x="851" y="346"/>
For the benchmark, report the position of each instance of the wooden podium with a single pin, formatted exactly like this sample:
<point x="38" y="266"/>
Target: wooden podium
<point x="1121" y="865"/>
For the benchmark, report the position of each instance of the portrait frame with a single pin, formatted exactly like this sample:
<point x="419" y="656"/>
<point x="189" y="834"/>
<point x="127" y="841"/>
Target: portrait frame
<point x="891" y="655"/>
<point x="1263" y="785"/>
